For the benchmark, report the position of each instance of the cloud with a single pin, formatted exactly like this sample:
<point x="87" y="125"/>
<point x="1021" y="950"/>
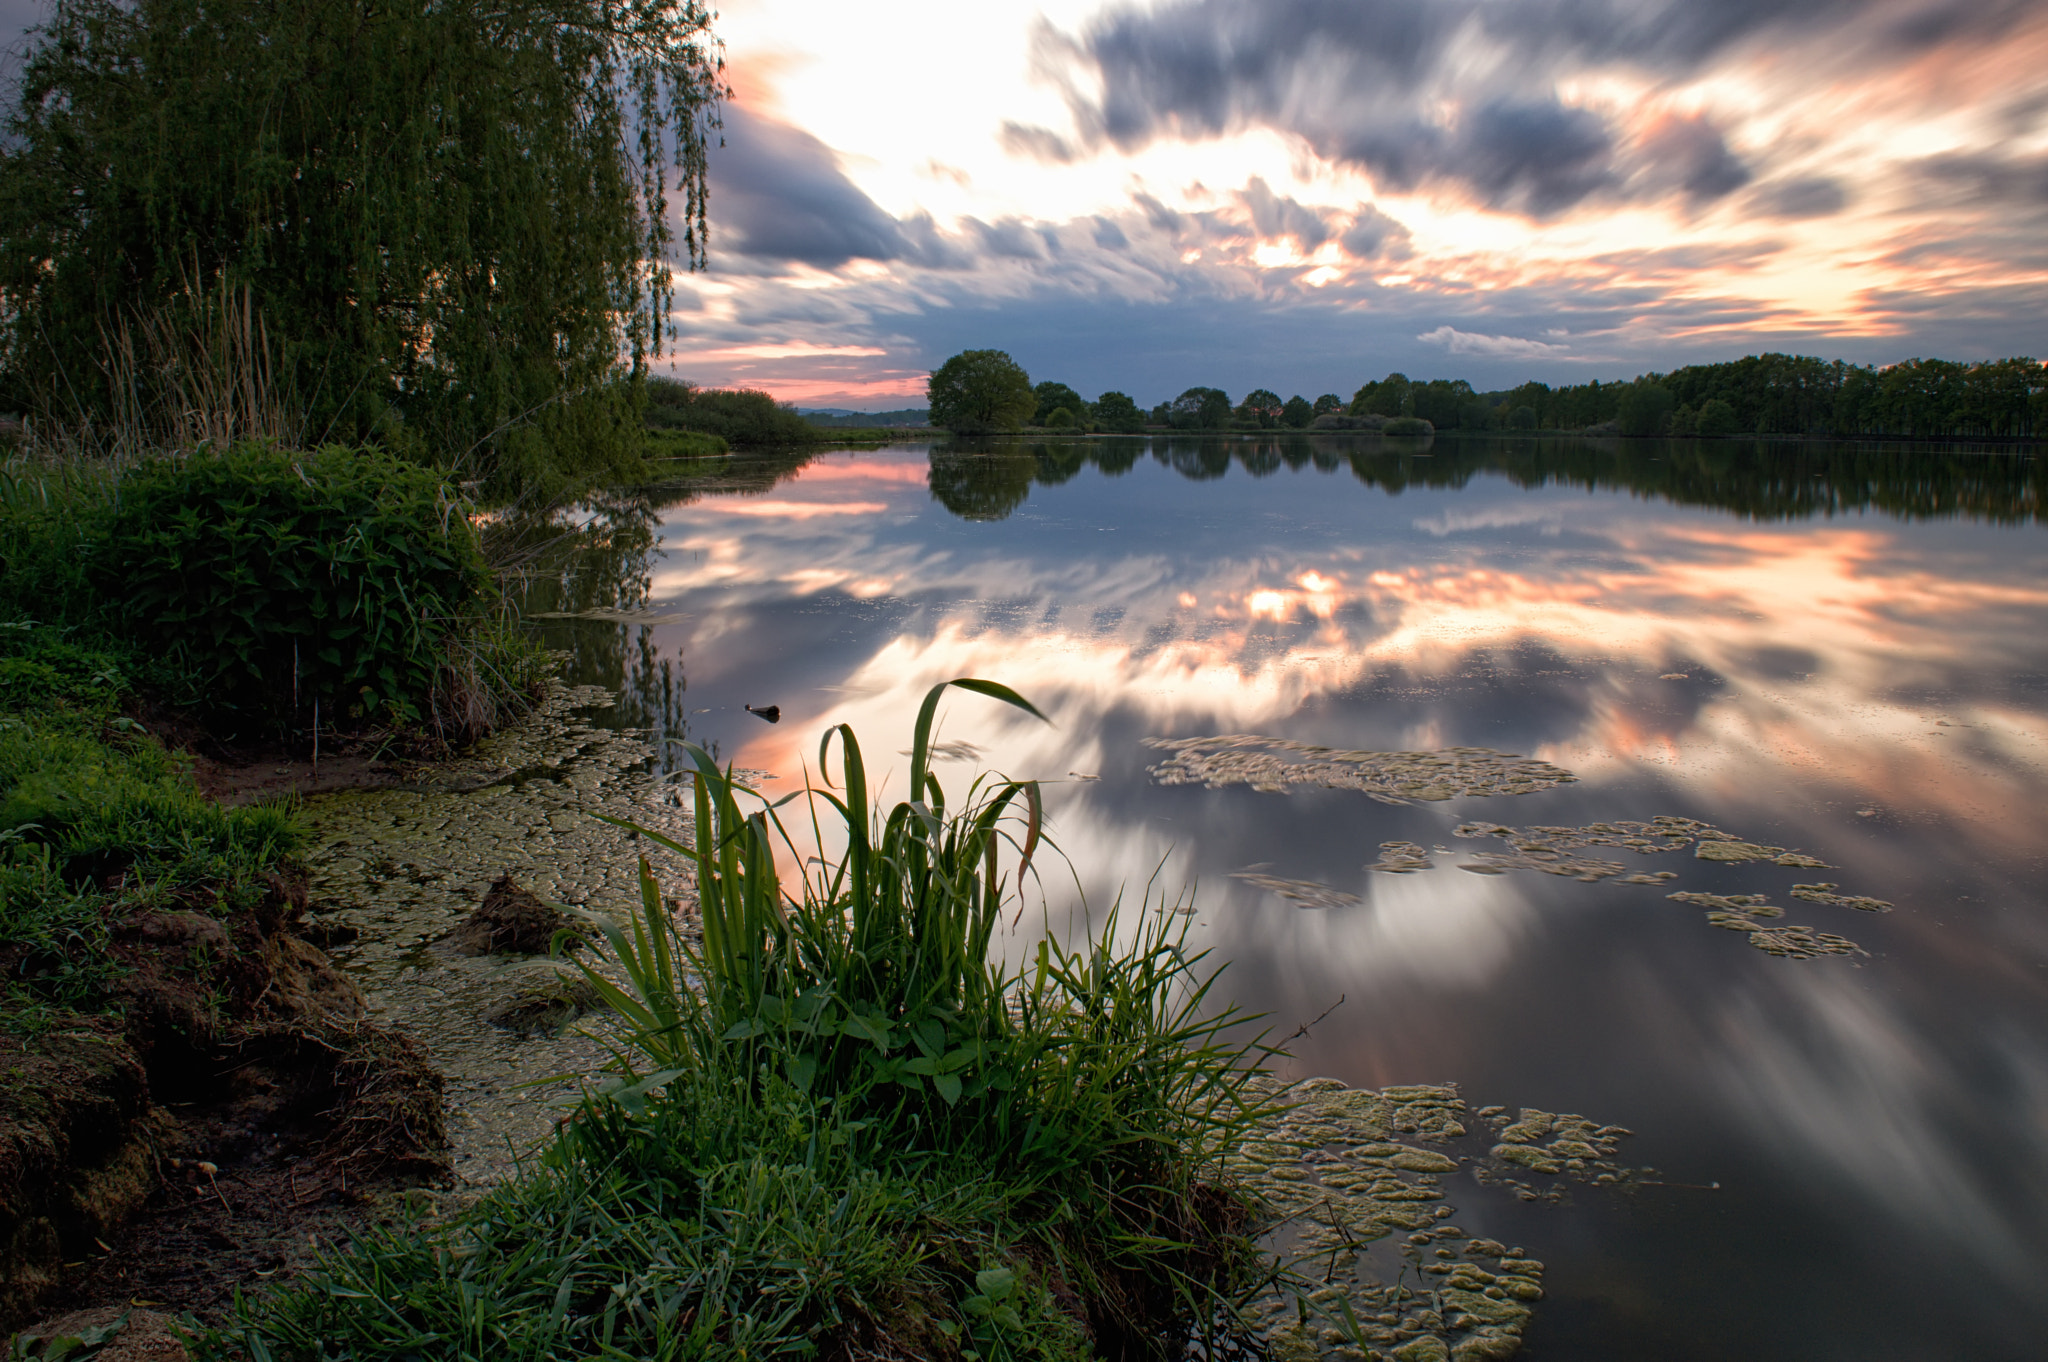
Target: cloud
<point x="1276" y="215"/>
<point x="778" y="193"/>
<point x="1373" y="235"/>
<point x="1806" y="196"/>
<point x="1501" y="102"/>
<point x="1036" y="143"/>
<point x="1473" y="343"/>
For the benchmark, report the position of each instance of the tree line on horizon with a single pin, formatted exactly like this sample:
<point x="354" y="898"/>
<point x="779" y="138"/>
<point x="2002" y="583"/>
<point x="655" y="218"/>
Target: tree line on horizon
<point x="982" y="391"/>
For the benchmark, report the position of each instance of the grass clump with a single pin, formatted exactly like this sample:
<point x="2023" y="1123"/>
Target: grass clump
<point x="273" y="589"/>
<point x="98" y="820"/>
<point x="839" y="1128"/>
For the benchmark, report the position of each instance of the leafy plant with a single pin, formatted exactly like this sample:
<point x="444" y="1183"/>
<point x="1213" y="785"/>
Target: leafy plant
<point x="287" y="580"/>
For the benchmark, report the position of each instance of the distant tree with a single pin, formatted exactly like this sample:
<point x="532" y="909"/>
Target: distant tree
<point x="1051" y="395"/>
<point x="1685" y="422"/>
<point x="978" y="391"/>
<point x="1162" y="415"/>
<point x="1327" y="403"/>
<point x="1717" y="418"/>
<point x="1645" y="408"/>
<point x="1114" y="411"/>
<point x="1522" y="418"/>
<point x="1200" y="409"/>
<point x="1297" y="413"/>
<point x="1059" y="418"/>
<point x="1261" y="406"/>
<point x="1478" y="414"/>
<point x="1391" y="396"/>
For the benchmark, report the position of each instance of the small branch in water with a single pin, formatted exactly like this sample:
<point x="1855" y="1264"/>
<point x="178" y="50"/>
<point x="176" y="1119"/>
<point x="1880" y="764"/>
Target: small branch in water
<point x="1303" y="1029"/>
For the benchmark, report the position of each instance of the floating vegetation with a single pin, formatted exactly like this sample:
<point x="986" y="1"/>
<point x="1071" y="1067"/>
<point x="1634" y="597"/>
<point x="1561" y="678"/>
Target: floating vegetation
<point x="1825" y="893"/>
<point x="1719" y="846"/>
<point x="1802" y="943"/>
<point x="1277" y="765"/>
<point x="395" y="872"/>
<point x="1300" y="893"/>
<point x="1402" y="858"/>
<point x="1358" y="1203"/>
<point x="1553" y="850"/>
<point x="1741" y="913"/>
<point x="1549" y="849"/>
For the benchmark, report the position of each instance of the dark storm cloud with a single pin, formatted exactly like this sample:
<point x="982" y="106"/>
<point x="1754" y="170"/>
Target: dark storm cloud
<point x="777" y="193"/>
<point x="1373" y="235"/>
<point x="1276" y="215"/>
<point x="1809" y="196"/>
<point x="1988" y="178"/>
<point x="1460" y="91"/>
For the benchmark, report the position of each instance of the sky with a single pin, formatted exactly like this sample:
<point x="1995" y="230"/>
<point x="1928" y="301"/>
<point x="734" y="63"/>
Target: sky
<point x="1304" y="195"/>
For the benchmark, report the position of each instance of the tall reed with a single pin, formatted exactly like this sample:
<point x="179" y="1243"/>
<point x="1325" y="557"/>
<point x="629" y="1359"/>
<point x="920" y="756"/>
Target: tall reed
<point x="871" y="986"/>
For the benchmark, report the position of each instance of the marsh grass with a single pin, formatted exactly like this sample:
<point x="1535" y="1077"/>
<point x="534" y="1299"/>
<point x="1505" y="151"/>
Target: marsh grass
<point x="98" y="820"/>
<point x="837" y="1127"/>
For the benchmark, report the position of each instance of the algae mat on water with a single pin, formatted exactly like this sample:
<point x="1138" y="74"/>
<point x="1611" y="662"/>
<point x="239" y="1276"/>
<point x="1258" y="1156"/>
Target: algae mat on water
<point x="394" y="872"/>
<point x="1354" y="1184"/>
<point x="1277" y="765"/>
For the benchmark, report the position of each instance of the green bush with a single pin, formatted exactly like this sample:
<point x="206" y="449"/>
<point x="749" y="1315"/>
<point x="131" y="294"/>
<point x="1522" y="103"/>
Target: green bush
<point x="1407" y="425"/>
<point x="282" y="580"/>
<point x="1717" y="418"/>
<point x="738" y="416"/>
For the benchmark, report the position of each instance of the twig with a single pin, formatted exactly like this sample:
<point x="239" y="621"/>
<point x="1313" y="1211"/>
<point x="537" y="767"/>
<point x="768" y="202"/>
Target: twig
<point x="1302" y="1030"/>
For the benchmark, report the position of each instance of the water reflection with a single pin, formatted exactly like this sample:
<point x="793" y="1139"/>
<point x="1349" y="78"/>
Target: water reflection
<point x="1759" y="479"/>
<point x="1841" y="648"/>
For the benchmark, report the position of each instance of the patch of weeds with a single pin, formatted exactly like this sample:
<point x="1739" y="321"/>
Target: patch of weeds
<point x="839" y="1126"/>
<point x="98" y="820"/>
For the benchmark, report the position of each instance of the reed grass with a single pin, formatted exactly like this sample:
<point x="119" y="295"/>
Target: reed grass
<point x="838" y="1126"/>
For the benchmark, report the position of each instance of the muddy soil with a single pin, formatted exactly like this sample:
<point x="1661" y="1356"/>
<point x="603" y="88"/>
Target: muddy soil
<point x="241" y="1109"/>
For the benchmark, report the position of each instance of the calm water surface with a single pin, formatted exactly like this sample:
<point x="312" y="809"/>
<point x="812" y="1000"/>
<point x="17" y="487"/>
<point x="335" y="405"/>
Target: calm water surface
<point x="1837" y="649"/>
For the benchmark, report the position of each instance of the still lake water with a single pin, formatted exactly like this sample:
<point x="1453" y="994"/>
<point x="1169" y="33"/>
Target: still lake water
<point x="1836" y="649"/>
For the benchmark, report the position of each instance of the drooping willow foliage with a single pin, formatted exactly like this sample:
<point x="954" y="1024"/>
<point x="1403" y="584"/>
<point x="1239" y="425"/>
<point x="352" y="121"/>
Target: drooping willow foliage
<point x="453" y="216"/>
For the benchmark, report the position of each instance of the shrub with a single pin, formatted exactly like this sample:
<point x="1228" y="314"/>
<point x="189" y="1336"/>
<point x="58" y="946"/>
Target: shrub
<point x="1717" y="418"/>
<point x="1407" y="425"/>
<point x="282" y="581"/>
<point x="738" y="416"/>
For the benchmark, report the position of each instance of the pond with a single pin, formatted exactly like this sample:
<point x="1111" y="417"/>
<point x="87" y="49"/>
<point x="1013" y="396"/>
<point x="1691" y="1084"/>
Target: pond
<point x="1801" y="687"/>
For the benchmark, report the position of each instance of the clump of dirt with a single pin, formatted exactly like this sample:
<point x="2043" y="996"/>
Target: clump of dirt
<point x="109" y="1333"/>
<point x="512" y="921"/>
<point x="239" y="1105"/>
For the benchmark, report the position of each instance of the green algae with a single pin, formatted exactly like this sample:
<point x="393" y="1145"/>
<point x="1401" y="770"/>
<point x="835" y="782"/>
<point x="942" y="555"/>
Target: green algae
<point x="394" y="872"/>
<point x="1367" y="1217"/>
<point x="1278" y="765"/>
<point x="1825" y="893"/>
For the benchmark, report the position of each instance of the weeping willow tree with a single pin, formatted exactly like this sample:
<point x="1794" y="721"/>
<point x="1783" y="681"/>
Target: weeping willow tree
<point x="453" y="216"/>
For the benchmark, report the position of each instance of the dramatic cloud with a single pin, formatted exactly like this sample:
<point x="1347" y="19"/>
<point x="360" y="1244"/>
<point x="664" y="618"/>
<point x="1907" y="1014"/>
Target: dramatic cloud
<point x="779" y="192"/>
<point x="1464" y="92"/>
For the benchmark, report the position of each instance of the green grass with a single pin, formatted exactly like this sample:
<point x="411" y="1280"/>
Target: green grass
<point x="853" y="1131"/>
<point x="98" y="820"/>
